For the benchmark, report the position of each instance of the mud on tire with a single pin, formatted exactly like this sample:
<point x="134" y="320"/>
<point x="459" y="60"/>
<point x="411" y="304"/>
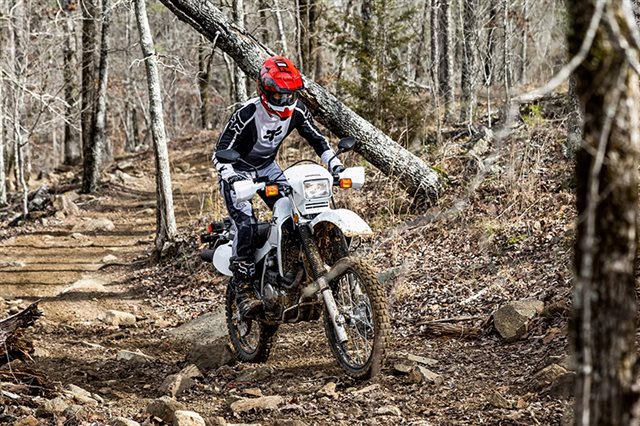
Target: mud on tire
<point x="368" y="323"/>
<point x="252" y="340"/>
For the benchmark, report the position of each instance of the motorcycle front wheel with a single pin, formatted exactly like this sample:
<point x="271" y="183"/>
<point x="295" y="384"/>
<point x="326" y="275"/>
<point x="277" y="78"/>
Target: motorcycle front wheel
<point x="360" y="299"/>
<point x="252" y="340"/>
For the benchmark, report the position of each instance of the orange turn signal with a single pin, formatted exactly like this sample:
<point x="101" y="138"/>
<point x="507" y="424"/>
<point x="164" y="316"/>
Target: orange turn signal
<point x="271" y="190"/>
<point x="345" y="183"/>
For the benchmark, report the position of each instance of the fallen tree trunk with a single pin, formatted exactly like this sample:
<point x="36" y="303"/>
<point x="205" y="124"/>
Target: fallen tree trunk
<point x="12" y="344"/>
<point x="418" y="179"/>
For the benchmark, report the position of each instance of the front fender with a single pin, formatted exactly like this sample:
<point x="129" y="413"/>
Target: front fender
<point x="347" y="221"/>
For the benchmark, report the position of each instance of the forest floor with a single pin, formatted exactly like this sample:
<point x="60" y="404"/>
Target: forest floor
<point x="502" y="232"/>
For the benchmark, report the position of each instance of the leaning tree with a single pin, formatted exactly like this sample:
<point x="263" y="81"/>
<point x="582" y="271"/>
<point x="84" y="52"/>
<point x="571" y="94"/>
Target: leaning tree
<point x="420" y="180"/>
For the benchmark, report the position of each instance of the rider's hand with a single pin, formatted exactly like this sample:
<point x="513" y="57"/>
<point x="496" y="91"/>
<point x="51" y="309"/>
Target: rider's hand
<point x="338" y="168"/>
<point x="233" y="179"/>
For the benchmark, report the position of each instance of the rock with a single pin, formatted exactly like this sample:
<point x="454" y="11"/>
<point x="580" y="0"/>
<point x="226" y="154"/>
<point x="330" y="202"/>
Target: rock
<point x="109" y="259"/>
<point x="118" y="318"/>
<point x="263" y="403"/>
<point x="389" y="410"/>
<point x="80" y="395"/>
<point x="27" y="421"/>
<point x="494" y="398"/>
<point x="191" y="371"/>
<point x="512" y="319"/>
<point x="164" y="408"/>
<point x="95" y="225"/>
<point x="39" y="352"/>
<point x="259" y="374"/>
<point x="207" y="328"/>
<point x="77" y="236"/>
<point x="187" y="418"/>
<point x="133" y="356"/>
<point x="422" y="374"/>
<point x="288" y="422"/>
<point x="175" y="384"/>
<point x="353" y="412"/>
<point x="54" y="406"/>
<point x="211" y="356"/>
<point x="65" y="204"/>
<point x="563" y="386"/>
<point x="215" y="421"/>
<point x="367" y="389"/>
<point x="329" y="390"/>
<point x="549" y="374"/>
<point x="86" y="285"/>
<point x="422" y="360"/>
<point x="74" y="412"/>
<point x="121" y="421"/>
<point x="404" y="367"/>
<point x="252" y="392"/>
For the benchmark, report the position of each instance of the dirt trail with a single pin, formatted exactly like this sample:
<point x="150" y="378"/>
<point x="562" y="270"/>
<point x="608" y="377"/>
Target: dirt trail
<point x="63" y="266"/>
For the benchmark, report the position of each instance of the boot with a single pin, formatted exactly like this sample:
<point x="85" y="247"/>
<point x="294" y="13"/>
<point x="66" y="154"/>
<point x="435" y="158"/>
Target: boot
<point x="246" y="301"/>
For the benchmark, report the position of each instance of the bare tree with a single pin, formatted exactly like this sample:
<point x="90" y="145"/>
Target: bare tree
<point x="445" y="56"/>
<point x="89" y="95"/>
<point x="417" y="178"/>
<point x="166" y="230"/>
<point x="205" y="56"/>
<point x="3" y="177"/>
<point x="72" y="144"/>
<point x="239" y="79"/>
<point x="100" y="143"/>
<point x="469" y="67"/>
<point x="17" y="46"/>
<point x="605" y="308"/>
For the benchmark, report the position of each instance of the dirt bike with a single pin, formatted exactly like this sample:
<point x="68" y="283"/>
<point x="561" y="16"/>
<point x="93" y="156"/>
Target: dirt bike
<point x="304" y="267"/>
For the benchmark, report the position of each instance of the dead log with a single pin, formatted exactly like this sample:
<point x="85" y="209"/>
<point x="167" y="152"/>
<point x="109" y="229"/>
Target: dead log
<point x="418" y="179"/>
<point x="12" y="342"/>
<point x="452" y="327"/>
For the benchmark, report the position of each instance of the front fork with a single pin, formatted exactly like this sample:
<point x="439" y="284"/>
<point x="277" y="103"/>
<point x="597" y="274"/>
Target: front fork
<point x="319" y="269"/>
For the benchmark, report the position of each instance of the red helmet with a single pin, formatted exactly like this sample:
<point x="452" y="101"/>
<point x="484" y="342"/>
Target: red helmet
<point x="278" y="84"/>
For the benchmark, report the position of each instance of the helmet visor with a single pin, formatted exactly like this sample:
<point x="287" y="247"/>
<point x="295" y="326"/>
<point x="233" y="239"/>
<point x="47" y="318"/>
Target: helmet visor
<point x="282" y="99"/>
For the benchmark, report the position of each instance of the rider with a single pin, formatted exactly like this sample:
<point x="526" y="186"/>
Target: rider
<point x="256" y="130"/>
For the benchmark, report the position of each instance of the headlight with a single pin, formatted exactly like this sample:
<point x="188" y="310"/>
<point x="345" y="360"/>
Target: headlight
<point x="317" y="188"/>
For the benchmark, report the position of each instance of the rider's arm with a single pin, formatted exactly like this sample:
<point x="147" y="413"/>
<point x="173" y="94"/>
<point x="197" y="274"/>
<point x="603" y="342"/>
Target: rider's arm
<point x="303" y="121"/>
<point x="234" y="136"/>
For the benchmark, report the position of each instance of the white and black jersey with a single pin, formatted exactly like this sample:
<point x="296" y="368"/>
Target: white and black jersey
<point x="257" y="136"/>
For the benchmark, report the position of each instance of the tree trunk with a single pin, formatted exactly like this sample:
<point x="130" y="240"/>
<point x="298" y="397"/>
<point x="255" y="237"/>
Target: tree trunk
<point x="435" y="46"/>
<point x="3" y="177"/>
<point x="418" y="59"/>
<point x="17" y="20"/>
<point x="445" y="62"/>
<point x="100" y="144"/>
<point x="605" y="309"/>
<point x="264" y="25"/>
<point x="72" y="146"/>
<point x="89" y="95"/>
<point x="166" y="230"/>
<point x="129" y="106"/>
<point x="524" y="50"/>
<point x="469" y="69"/>
<point x="12" y="344"/>
<point x="366" y="56"/>
<point x="417" y="178"/>
<point x="204" y="64"/>
<point x="282" y="37"/>
<point x="239" y="79"/>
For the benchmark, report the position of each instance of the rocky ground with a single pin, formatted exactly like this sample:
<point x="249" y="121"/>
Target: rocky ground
<point x="122" y="342"/>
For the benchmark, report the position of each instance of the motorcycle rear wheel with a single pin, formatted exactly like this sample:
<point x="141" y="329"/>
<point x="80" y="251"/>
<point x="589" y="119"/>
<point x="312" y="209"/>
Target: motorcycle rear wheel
<point x="252" y="340"/>
<point x="360" y="299"/>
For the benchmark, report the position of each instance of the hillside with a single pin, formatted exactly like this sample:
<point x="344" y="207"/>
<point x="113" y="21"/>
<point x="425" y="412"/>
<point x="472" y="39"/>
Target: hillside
<point x="501" y="232"/>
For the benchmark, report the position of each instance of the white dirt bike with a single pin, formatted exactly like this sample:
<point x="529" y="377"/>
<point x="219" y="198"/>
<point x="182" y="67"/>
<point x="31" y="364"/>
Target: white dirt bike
<point x="304" y="267"/>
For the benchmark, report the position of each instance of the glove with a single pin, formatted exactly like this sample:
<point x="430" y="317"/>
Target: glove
<point x="233" y="179"/>
<point x="338" y="168"/>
